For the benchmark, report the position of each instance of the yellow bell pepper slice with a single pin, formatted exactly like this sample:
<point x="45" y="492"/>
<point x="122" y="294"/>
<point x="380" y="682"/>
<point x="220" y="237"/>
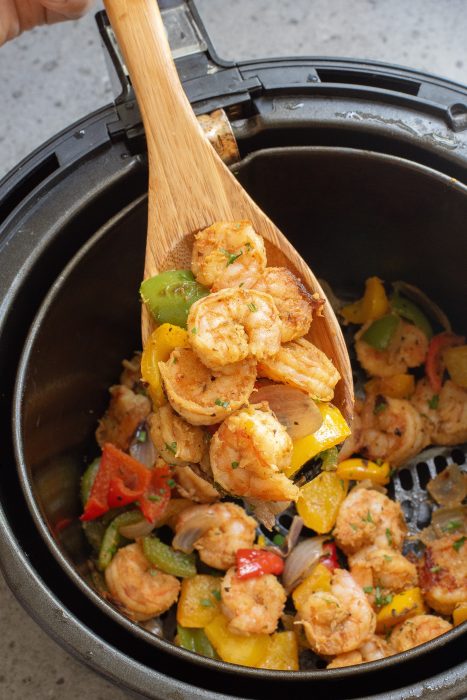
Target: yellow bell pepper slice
<point x="158" y="347"/>
<point x="371" y="306"/>
<point x="318" y="580"/>
<point x="199" y="601"/>
<point x="459" y="614"/>
<point x="402" y="606"/>
<point x="399" y="386"/>
<point x="359" y="469"/>
<point x="456" y="363"/>
<point x="332" y="431"/>
<point x="282" y="653"/>
<point x="235" y="648"/>
<point x="319" y="501"/>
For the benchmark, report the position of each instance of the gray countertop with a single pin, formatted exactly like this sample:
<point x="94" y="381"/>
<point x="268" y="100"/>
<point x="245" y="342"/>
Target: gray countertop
<point x="53" y="76"/>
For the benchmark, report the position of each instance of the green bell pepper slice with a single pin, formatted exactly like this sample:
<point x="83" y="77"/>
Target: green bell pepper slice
<point x="112" y="538"/>
<point x="167" y="559"/>
<point x="195" y="640"/>
<point x="410" y="311"/>
<point x="381" y="332"/>
<point x="170" y="294"/>
<point x="87" y="480"/>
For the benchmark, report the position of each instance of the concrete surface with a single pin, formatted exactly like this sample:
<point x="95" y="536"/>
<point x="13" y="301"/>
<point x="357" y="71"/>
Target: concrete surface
<point x="55" y="75"/>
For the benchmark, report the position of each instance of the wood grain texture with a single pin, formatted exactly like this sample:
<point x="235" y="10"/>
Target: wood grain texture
<point x="189" y="186"/>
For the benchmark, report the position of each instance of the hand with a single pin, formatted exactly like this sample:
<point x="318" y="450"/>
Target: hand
<point x="18" y="15"/>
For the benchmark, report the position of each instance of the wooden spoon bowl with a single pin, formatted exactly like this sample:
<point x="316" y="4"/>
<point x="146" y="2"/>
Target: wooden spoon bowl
<point x="189" y="185"/>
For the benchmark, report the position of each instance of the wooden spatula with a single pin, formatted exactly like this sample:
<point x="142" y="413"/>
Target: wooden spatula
<point x="189" y="186"/>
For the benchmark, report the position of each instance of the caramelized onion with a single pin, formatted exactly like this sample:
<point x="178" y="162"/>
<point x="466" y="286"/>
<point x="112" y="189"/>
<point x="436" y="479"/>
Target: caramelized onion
<point x="194" y="528"/>
<point x="294" y="409"/>
<point x="449" y="488"/>
<point x="301" y="561"/>
<point x="449" y="521"/>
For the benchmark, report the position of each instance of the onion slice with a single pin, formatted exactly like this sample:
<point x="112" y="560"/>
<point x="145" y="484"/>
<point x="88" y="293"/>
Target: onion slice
<point x="294" y="409"/>
<point x="449" y="521"/>
<point x="194" y="528"/>
<point x="135" y="530"/>
<point x="301" y="561"/>
<point x="142" y="448"/>
<point x="449" y="488"/>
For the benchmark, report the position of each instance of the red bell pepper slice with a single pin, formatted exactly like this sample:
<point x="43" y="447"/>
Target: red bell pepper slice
<point x="156" y="497"/>
<point x="97" y="503"/>
<point x="257" y="562"/>
<point x="129" y="478"/>
<point x="329" y="557"/>
<point x="434" y="365"/>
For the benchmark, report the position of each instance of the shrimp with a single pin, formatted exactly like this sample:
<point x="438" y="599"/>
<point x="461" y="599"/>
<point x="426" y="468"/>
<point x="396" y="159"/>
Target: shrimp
<point x="408" y="348"/>
<point x="443" y="572"/>
<point x="390" y="429"/>
<point x="339" y="621"/>
<point x="248" y="454"/>
<point x="228" y="254"/>
<point x="131" y="374"/>
<point x="293" y="301"/>
<point x="367" y="517"/>
<point x="203" y="396"/>
<point x="444" y="415"/>
<point x="373" y="649"/>
<point x="381" y="571"/>
<point x="253" y="606"/>
<point x="125" y="412"/>
<point x="300" y="364"/>
<point x="176" y="440"/>
<point x="234" y="324"/>
<point x="141" y="589"/>
<point x="225" y="527"/>
<point x="193" y="485"/>
<point x="417" y="630"/>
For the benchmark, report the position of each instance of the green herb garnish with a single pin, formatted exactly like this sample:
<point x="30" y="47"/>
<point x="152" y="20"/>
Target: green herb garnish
<point x="278" y="539"/>
<point x="458" y="543"/>
<point x="172" y="447"/>
<point x="452" y="526"/>
<point x="389" y="536"/>
<point x="224" y="404"/>
<point x="434" y="401"/>
<point x="234" y="465"/>
<point x="231" y="257"/>
<point x="252" y="307"/>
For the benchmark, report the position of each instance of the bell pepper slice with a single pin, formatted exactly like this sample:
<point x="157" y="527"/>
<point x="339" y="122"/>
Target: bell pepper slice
<point x="371" y="306"/>
<point x="329" y="558"/>
<point x="282" y="652"/>
<point x="167" y="559"/>
<point x="434" y="363"/>
<point x="170" y="294"/>
<point x="456" y="363"/>
<point x="358" y="469"/>
<point x="407" y="309"/>
<point x="235" y="648"/>
<point x="459" y="614"/>
<point x="112" y="537"/>
<point x="319" y="501"/>
<point x="257" y="562"/>
<point x="318" y="580"/>
<point x="157" y="349"/>
<point x="154" y="501"/>
<point x="129" y="479"/>
<point x="332" y="431"/>
<point x="402" y="606"/>
<point x="199" y="600"/>
<point x="398" y="386"/>
<point x="97" y="503"/>
<point x="87" y="480"/>
<point x="195" y="640"/>
<point x="381" y="332"/>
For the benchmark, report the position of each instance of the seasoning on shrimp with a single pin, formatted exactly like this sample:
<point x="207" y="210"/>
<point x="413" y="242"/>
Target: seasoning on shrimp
<point x="249" y="453"/>
<point x="443" y="573"/>
<point x="253" y="606"/>
<point x="417" y="630"/>
<point x="382" y="571"/>
<point x="302" y="365"/>
<point x="228" y="254"/>
<point x="204" y="396"/>
<point x="444" y="415"/>
<point x="373" y="649"/>
<point x="177" y="441"/>
<point x="232" y="325"/>
<point x="408" y="348"/>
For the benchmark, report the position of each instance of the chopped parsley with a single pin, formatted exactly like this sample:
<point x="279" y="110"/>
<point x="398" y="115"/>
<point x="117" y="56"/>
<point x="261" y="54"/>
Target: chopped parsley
<point x="354" y="527"/>
<point x="368" y="589"/>
<point x="234" y="465"/>
<point x="152" y="497"/>
<point x="231" y="257"/>
<point x="368" y="518"/>
<point x="153" y="572"/>
<point x="435" y="569"/>
<point x="171" y="483"/>
<point x="248" y="245"/>
<point x="194" y="330"/>
<point x="142" y="436"/>
<point x="434" y="401"/>
<point x="216" y="594"/>
<point x="206" y="603"/>
<point x="172" y="447"/>
<point x="224" y="404"/>
<point x="381" y="599"/>
<point x="252" y="307"/>
<point x="387" y="557"/>
<point x="278" y="539"/>
<point x="452" y="526"/>
<point x="389" y="536"/>
<point x="379" y="407"/>
<point x="458" y="543"/>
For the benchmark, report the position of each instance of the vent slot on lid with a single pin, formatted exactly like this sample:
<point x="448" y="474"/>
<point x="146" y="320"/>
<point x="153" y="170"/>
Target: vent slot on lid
<point x="384" y="82"/>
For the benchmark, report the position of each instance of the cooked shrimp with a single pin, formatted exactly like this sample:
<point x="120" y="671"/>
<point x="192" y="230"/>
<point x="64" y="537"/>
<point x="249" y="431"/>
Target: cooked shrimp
<point x="339" y="621"/>
<point x="300" y="364"/>
<point x="407" y="348"/>
<point x="293" y="301"/>
<point x="192" y="484"/>
<point x="253" y="606"/>
<point x="131" y="374"/>
<point x="203" y="396"/>
<point x="373" y="649"/>
<point x="234" y="324"/>
<point x="139" y="587"/>
<point x="228" y="254"/>
<point x="390" y="429"/>
<point x="381" y="571"/>
<point x="125" y="412"/>
<point x="226" y="528"/>
<point x="248" y="454"/>
<point x="444" y="415"/>
<point x="177" y="441"/>
<point x="417" y="630"/>
<point x="443" y="573"/>
<point x="367" y="517"/>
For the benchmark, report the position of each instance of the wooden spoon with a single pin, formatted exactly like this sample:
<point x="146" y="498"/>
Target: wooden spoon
<point x="189" y="186"/>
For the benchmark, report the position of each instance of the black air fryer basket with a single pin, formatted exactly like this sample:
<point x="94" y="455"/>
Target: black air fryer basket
<point x="362" y="165"/>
